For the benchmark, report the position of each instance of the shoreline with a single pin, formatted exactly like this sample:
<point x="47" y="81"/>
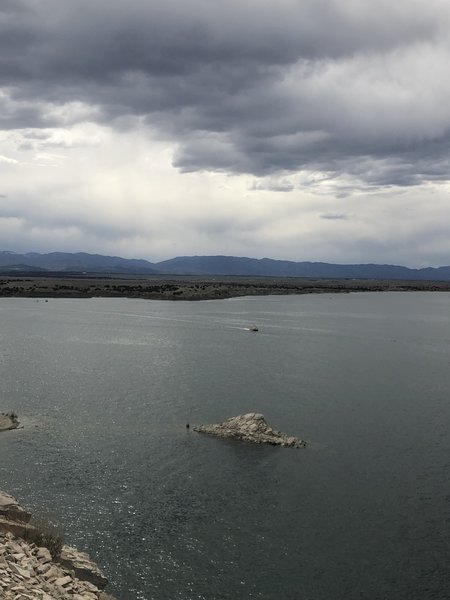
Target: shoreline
<point x="195" y="288"/>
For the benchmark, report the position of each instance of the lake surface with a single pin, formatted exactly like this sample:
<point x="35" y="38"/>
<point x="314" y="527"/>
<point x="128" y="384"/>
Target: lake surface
<point x="105" y="387"/>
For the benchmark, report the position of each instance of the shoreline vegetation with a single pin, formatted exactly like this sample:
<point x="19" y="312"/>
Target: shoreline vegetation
<point x="195" y="287"/>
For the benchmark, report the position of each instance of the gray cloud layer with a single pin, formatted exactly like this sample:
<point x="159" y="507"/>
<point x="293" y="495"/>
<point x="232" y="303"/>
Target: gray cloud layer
<point x="342" y="87"/>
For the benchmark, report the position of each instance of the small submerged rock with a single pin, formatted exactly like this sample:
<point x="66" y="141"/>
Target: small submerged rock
<point x="251" y="427"/>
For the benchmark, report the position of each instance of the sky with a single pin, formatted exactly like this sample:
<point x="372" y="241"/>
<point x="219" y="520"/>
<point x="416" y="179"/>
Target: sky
<point x="298" y="129"/>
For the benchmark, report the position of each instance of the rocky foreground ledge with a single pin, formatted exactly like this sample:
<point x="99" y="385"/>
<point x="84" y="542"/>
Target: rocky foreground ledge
<point x="30" y="572"/>
<point x="251" y="427"/>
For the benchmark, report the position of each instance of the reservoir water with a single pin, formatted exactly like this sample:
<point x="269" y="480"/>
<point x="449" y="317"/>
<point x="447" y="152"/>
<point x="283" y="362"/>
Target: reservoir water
<point x="105" y="387"/>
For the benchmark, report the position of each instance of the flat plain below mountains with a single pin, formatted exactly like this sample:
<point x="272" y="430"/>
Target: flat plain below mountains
<point x="194" y="287"/>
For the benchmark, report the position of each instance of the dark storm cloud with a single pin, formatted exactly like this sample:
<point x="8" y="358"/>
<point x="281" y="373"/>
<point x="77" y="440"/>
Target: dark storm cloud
<point x="333" y="216"/>
<point x="245" y="86"/>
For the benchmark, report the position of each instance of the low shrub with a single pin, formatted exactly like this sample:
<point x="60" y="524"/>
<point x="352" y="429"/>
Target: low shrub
<point x="42" y="532"/>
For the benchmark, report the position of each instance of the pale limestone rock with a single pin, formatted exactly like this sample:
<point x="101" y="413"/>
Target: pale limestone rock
<point x="53" y="573"/>
<point x="18" y="570"/>
<point x="83" y="567"/>
<point x="44" y="555"/>
<point x="62" y="581"/>
<point x="43" y="568"/>
<point x="251" y="427"/>
<point x="10" y="508"/>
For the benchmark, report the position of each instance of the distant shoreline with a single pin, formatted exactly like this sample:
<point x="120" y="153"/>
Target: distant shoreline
<point x="195" y="287"/>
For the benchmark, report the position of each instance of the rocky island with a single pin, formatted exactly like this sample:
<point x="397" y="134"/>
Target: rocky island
<point x="251" y="427"/>
<point x="35" y="565"/>
<point x="8" y="421"/>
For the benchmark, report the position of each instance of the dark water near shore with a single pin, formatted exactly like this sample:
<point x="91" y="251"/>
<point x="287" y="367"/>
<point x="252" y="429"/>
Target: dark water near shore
<point x="105" y="388"/>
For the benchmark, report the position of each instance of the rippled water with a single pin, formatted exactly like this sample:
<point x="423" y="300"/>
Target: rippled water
<point x="106" y="386"/>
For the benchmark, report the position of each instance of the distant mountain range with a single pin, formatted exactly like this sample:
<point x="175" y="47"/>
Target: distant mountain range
<point x="81" y="262"/>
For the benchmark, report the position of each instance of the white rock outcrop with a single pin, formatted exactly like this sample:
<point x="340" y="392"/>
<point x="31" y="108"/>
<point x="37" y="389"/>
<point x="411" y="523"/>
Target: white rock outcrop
<point x="251" y="427"/>
<point x="82" y="565"/>
<point x="28" y="573"/>
<point x="10" y="508"/>
<point x="8" y="421"/>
